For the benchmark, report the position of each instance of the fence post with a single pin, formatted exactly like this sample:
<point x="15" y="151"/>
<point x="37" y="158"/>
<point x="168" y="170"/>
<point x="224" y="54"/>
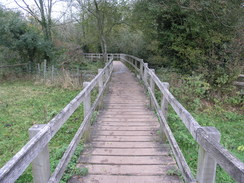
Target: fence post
<point x="78" y="75"/>
<point x="145" y="73"/>
<point x="29" y="67"/>
<point x="136" y="63"/>
<point x="87" y="107"/>
<point x="164" y="102"/>
<point x="38" y="69"/>
<point x="164" y="108"/>
<point x="111" y="67"/>
<point x="100" y="81"/>
<point x="41" y="164"/>
<point x="206" y="168"/>
<point x="106" y="73"/>
<point x="87" y="100"/>
<point x="152" y="86"/>
<point x="45" y="69"/>
<point x="141" y="68"/>
<point x="52" y="73"/>
<point x="100" y="88"/>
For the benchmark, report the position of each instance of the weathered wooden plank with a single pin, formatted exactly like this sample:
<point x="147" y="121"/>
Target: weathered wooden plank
<point x="114" y="138"/>
<point x="127" y="160"/>
<point x="127" y="152"/>
<point x="129" y="145"/>
<point x="128" y="179"/>
<point x="125" y="133"/>
<point x="140" y="170"/>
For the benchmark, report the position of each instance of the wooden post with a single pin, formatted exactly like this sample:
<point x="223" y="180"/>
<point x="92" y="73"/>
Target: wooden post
<point x="78" y="75"/>
<point x="145" y="73"/>
<point x="41" y="164"/>
<point x="52" y="73"/>
<point x="106" y="74"/>
<point x="100" y="81"/>
<point x="38" y="69"/>
<point x="100" y="88"/>
<point x="136" y="63"/>
<point x="87" y="107"/>
<point x="152" y="86"/>
<point x="29" y="67"/>
<point x="164" y="108"/>
<point x="111" y="67"/>
<point x="77" y="71"/>
<point x="87" y="100"/>
<point x="164" y="102"/>
<point x="206" y="168"/>
<point x="45" y="69"/>
<point x="141" y="68"/>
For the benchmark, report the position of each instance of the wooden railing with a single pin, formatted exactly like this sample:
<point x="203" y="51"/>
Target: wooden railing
<point x="36" y="148"/>
<point x="210" y="150"/>
<point x="208" y="138"/>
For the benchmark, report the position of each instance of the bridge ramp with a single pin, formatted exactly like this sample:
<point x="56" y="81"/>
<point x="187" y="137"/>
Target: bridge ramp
<point x="125" y="145"/>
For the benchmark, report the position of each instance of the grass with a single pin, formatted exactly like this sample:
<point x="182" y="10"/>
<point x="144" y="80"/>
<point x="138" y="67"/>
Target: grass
<point x="24" y="104"/>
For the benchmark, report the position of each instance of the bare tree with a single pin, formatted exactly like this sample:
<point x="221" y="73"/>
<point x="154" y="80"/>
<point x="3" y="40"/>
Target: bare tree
<point x="106" y="15"/>
<point x="41" y="13"/>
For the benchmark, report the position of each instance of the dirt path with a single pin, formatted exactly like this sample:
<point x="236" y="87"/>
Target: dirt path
<point x="125" y="146"/>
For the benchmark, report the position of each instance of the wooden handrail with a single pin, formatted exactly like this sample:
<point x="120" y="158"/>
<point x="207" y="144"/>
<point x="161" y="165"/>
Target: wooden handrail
<point x="233" y="166"/>
<point x="17" y="165"/>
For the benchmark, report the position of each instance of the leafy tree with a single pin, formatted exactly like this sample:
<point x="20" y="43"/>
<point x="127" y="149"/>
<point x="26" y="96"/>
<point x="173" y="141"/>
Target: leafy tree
<point x="192" y="36"/>
<point x="18" y="36"/>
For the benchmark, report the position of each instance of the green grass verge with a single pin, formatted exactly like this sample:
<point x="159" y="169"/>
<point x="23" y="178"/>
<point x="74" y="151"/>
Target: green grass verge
<point x="24" y="104"/>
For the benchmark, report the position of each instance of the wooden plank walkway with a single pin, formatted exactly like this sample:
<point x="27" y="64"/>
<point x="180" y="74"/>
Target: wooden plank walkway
<point x="125" y="146"/>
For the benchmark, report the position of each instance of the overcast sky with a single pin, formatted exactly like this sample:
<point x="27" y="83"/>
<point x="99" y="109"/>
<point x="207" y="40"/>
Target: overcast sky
<point x="58" y="9"/>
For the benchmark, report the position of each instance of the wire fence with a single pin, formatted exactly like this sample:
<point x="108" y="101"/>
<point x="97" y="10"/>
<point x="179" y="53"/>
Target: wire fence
<point x="66" y="75"/>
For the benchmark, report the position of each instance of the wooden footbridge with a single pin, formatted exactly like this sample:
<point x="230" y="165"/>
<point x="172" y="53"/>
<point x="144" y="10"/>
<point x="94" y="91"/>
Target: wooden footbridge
<point x="129" y="142"/>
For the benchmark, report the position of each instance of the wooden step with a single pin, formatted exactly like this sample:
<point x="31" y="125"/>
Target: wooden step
<point x="127" y="179"/>
<point x="125" y="152"/>
<point x="124" y="145"/>
<point x="126" y="160"/>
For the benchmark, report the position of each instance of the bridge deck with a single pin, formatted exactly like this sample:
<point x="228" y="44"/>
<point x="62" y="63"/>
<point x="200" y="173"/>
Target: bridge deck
<point x="125" y="146"/>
